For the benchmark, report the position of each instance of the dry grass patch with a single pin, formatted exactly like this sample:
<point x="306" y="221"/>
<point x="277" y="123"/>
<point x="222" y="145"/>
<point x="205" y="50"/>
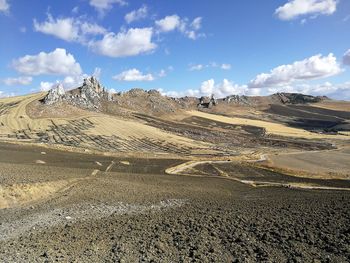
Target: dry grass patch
<point x="19" y="194"/>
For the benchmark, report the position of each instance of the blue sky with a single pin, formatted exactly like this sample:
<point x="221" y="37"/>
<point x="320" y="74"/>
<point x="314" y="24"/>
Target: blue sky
<point x="196" y="47"/>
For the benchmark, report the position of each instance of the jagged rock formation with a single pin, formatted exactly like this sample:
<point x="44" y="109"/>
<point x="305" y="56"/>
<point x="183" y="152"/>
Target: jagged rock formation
<point x="206" y="102"/>
<point x="88" y="96"/>
<point x="55" y="95"/>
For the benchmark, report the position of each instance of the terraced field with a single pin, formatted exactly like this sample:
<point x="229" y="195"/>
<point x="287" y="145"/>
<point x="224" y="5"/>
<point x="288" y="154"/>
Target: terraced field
<point x="95" y="131"/>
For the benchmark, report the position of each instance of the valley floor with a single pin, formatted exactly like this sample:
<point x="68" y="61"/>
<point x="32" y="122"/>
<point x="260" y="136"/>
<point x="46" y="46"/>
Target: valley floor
<point x="62" y="206"/>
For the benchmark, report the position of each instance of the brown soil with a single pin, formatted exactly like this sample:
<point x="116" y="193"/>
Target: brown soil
<point x="136" y="212"/>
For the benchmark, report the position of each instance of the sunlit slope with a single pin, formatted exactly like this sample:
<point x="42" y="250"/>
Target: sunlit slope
<point x="94" y="130"/>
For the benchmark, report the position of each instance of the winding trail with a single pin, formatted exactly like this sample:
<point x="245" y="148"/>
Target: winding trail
<point x="182" y="168"/>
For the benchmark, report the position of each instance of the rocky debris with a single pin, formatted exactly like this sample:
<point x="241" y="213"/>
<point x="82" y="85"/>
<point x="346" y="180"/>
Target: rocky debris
<point x="207" y="102"/>
<point x="297" y="98"/>
<point x="55" y="95"/>
<point x="242" y="100"/>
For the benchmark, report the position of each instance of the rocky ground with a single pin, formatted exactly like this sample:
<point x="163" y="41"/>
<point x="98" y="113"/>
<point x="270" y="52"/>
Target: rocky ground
<point x="144" y="215"/>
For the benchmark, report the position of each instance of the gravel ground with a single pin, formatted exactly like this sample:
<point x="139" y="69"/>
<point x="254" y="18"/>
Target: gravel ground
<point x="153" y="217"/>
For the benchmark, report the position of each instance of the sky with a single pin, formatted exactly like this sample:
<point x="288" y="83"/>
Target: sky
<point x="181" y="48"/>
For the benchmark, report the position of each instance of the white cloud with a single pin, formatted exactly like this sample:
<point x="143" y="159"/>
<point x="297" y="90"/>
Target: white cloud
<point x="222" y="89"/>
<point x="18" y="81"/>
<point x="133" y="42"/>
<point x="296" y="8"/>
<point x="198" y="67"/>
<point x="315" y="67"/>
<point x="162" y="73"/>
<point x="346" y="58"/>
<point x="68" y="82"/>
<point x="97" y="73"/>
<point x="69" y="28"/>
<point x="174" y="22"/>
<point x="226" y="66"/>
<point x="197" y="23"/>
<point x="45" y="86"/>
<point x="104" y="5"/>
<point x="136" y="14"/>
<point x="75" y="10"/>
<point x="133" y="75"/>
<point x="208" y="87"/>
<point x="57" y="62"/>
<point x="4" y="6"/>
<point x="112" y="91"/>
<point x="168" y="23"/>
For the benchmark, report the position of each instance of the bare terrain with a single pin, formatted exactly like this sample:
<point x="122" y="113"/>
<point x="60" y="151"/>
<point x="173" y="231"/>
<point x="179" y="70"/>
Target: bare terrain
<point x="89" y="176"/>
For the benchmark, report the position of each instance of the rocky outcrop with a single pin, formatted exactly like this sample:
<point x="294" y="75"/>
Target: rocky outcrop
<point x="207" y="102"/>
<point x="297" y="98"/>
<point x="89" y="95"/>
<point x="56" y="94"/>
<point x="242" y="100"/>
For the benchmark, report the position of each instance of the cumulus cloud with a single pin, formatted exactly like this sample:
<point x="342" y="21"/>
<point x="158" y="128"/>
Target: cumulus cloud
<point x="133" y="75"/>
<point x="69" y="28"/>
<point x="22" y="80"/>
<point x="174" y="22"/>
<point x="104" y="5"/>
<point x="133" y="42"/>
<point x="297" y="8"/>
<point x="135" y="15"/>
<point x="208" y="87"/>
<point x="168" y="23"/>
<point x="46" y="86"/>
<point x="315" y="67"/>
<point x="57" y="62"/>
<point x="222" y="89"/>
<point x="346" y="58"/>
<point x="4" y="6"/>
